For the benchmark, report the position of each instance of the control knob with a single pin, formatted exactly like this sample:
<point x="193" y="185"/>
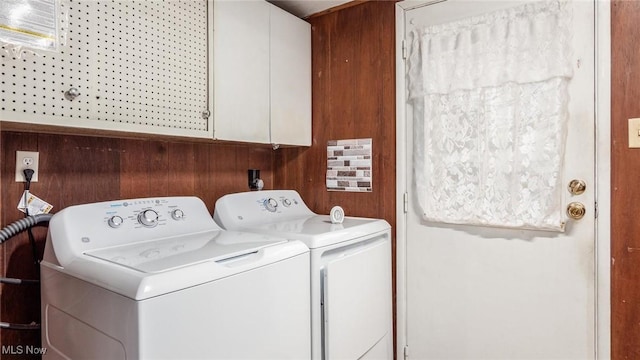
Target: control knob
<point x="177" y="214"/>
<point x="271" y="204"/>
<point x="148" y="218"/>
<point x="115" y="221"/>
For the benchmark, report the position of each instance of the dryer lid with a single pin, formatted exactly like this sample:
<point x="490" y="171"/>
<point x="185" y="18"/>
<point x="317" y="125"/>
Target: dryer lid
<point x="317" y="230"/>
<point x="284" y="213"/>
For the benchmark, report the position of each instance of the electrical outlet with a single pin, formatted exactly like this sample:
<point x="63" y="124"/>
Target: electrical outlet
<point x="26" y="160"/>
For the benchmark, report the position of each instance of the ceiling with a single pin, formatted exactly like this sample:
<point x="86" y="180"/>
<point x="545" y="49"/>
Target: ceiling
<point x="304" y="8"/>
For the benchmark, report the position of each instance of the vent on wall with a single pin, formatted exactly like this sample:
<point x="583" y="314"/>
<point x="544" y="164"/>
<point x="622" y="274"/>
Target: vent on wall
<point x="138" y="65"/>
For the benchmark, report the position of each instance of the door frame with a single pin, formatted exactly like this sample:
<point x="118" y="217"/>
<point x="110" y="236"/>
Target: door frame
<point x="602" y="177"/>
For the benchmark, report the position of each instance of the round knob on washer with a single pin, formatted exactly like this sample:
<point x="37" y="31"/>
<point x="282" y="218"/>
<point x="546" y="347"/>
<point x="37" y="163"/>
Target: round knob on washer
<point x="286" y="202"/>
<point x="148" y="218"/>
<point x="115" y="221"/>
<point x="177" y="214"/>
<point x="271" y="204"/>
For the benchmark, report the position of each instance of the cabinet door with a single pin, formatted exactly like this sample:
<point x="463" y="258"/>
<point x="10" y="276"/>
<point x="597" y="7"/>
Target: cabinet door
<point x="290" y="79"/>
<point x="140" y="67"/>
<point x="241" y="71"/>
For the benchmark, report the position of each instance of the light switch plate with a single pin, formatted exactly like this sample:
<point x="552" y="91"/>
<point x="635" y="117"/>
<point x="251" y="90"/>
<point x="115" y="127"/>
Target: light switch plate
<point x="634" y="133"/>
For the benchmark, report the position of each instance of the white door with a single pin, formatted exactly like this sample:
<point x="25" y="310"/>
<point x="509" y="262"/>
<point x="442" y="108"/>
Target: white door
<point x="476" y="292"/>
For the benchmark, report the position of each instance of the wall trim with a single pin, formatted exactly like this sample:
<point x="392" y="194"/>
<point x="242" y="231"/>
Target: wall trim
<point x="603" y="178"/>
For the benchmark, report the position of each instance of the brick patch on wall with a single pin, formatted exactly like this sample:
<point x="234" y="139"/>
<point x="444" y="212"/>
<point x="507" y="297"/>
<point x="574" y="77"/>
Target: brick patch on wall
<point x="349" y="165"/>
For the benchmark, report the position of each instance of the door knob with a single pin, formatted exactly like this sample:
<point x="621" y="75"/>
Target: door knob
<point x="577" y="187"/>
<point x="576" y="210"/>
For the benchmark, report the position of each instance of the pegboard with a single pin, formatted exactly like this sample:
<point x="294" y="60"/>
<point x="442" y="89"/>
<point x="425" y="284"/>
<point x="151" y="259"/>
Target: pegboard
<point x="139" y="66"/>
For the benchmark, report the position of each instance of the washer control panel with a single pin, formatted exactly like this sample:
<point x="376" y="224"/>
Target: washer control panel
<point x="81" y="228"/>
<point x="146" y="213"/>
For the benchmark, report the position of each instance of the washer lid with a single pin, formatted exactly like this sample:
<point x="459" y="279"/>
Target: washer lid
<point x="148" y="269"/>
<point x="172" y="253"/>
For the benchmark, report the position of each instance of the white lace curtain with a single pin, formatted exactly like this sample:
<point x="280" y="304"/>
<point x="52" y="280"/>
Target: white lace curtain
<point x="489" y="97"/>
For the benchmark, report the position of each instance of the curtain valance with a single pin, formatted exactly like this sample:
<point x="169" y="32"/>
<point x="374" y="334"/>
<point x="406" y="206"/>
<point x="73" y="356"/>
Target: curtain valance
<point x="490" y="106"/>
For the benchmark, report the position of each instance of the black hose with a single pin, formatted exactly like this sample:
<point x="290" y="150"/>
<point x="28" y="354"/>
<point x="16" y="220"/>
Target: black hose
<point x="21" y="225"/>
<point x="28" y="176"/>
<point x="32" y="326"/>
<point x="13" y="281"/>
<point x="8" y="232"/>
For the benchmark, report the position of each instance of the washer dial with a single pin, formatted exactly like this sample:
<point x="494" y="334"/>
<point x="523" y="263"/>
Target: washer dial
<point x="115" y="221"/>
<point x="148" y="218"/>
<point x="177" y="214"/>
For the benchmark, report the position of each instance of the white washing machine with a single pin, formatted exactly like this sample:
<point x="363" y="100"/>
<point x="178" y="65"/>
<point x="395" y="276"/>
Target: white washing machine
<point x="156" y="278"/>
<point x="351" y="291"/>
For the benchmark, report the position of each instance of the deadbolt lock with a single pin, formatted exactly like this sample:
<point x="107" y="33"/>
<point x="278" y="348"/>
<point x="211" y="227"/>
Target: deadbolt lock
<point x="576" y="210"/>
<point x="577" y="187"/>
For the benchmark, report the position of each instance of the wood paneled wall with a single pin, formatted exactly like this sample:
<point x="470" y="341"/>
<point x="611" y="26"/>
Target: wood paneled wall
<point x="353" y="70"/>
<point x="84" y="169"/>
<point x="625" y="181"/>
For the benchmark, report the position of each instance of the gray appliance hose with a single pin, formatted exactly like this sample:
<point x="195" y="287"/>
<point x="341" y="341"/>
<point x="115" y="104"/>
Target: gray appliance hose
<point x="5" y="234"/>
<point x="21" y="225"/>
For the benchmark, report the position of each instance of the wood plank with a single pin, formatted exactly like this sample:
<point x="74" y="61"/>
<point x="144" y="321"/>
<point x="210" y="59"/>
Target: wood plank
<point x="182" y="169"/>
<point x="202" y="174"/>
<point x="133" y="169"/>
<point x="625" y="174"/>
<point x="158" y="171"/>
<point x="225" y="175"/>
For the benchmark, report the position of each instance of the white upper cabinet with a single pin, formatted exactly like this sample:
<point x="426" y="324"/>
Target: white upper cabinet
<point x="290" y="79"/>
<point x="131" y="67"/>
<point x="241" y="71"/>
<point x="261" y="74"/>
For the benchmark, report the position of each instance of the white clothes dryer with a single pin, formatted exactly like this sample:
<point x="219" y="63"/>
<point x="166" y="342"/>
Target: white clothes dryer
<point x="351" y="291"/>
<point x="156" y="278"/>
